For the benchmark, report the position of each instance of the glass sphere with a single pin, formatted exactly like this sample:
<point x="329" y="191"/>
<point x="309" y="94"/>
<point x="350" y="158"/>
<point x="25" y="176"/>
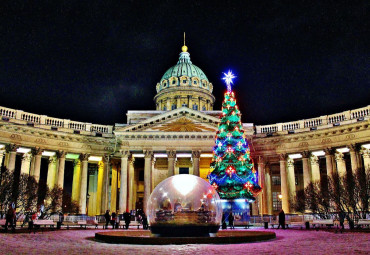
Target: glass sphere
<point x="184" y="205"/>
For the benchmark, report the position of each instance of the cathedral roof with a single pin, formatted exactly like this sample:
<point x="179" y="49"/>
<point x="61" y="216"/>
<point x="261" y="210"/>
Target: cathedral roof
<point x="184" y="67"/>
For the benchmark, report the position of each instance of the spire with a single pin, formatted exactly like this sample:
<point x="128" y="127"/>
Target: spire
<point x="184" y="48"/>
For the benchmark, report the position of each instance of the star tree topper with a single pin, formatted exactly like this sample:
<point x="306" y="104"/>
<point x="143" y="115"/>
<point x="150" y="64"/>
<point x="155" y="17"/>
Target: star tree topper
<point x="228" y="78"/>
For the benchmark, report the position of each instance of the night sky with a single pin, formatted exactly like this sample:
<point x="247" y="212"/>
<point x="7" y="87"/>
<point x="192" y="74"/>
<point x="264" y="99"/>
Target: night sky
<point x="92" y="61"/>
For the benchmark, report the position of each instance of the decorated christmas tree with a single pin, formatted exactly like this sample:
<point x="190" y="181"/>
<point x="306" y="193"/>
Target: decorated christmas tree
<point x="233" y="175"/>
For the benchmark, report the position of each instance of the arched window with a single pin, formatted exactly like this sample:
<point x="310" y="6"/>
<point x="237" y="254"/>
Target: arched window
<point x="204" y="108"/>
<point x="173" y="107"/>
<point x="164" y="108"/>
<point x="195" y="107"/>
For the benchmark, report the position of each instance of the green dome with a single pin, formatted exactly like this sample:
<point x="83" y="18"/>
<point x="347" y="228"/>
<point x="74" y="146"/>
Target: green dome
<point x="184" y="67"/>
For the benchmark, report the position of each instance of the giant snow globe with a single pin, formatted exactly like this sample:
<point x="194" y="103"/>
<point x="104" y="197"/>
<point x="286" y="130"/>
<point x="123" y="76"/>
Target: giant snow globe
<point x="184" y="205"/>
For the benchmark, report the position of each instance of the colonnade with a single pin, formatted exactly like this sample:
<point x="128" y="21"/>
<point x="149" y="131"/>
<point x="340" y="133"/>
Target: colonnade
<point x="335" y="162"/>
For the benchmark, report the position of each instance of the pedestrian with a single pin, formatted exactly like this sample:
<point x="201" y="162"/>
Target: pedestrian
<point x="342" y="216"/>
<point x="127" y="219"/>
<point x="113" y="221"/>
<point x="224" y="221"/>
<point x="107" y="219"/>
<point x="145" y="221"/>
<point x="231" y="220"/>
<point x="10" y="218"/>
<point x="281" y="219"/>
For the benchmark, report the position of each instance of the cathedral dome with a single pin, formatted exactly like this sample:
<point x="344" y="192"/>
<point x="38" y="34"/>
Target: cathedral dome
<point x="184" y="67"/>
<point x="184" y="84"/>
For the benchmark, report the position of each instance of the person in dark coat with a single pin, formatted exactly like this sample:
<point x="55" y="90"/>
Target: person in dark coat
<point x="342" y="216"/>
<point x="223" y="221"/>
<point x="281" y="219"/>
<point x="107" y="219"/>
<point x="113" y="220"/>
<point x="127" y="219"/>
<point x="231" y="220"/>
<point x="144" y="220"/>
<point x="10" y="218"/>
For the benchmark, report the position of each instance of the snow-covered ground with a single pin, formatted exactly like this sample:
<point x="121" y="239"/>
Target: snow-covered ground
<point x="287" y="242"/>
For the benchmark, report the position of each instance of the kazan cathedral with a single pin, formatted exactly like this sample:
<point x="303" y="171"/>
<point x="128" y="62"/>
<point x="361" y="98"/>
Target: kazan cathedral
<point x="117" y="167"/>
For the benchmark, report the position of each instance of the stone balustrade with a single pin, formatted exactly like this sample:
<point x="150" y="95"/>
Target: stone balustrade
<point x="46" y="122"/>
<point x="325" y="121"/>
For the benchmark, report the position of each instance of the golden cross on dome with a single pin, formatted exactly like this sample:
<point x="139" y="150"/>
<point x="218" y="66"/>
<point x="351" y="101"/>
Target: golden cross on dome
<point x="184" y="48"/>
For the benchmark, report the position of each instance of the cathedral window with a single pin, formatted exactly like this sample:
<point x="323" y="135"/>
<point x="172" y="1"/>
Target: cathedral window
<point x="173" y="107"/>
<point x="195" y="82"/>
<point x="204" y="108"/>
<point x="173" y="81"/>
<point x="195" y="107"/>
<point x="184" y="105"/>
<point x="184" y="81"/>
<point x="164" y="108"/>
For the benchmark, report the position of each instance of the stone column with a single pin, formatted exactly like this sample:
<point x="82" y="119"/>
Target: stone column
<point x="329" y="161"/>
<point x="195" y="157"/>
<point x="26" y="163"/>
<point x="12" y="150"/>
<point x="178" y="102"/>
<point x="76" y="181"/>
<point x="52" y="172"/>
<point x="268" y="184"/>
<point x="366" y="156"/>
<point x="341" y="164"/>
<point x="131" y="183"/>
<point x="147" y="176"/>
<point x="291" y="179"/>
<point x="354" y="159"/>
<point x="84" y="164"/>
<point x="37" y="153"/>
<point x="99" y="188"/>
<point x="171" y="162"/>
<point x="284" y="183"/>
<point x="2" y="153"/>
<point x="114" y="187"/>
<point x="168" y="104"/>
<point x="315" y="168"/>
<point x="306" y="170"/>
<point x="152" y="174"/>
<point x="123" y="187"/>
<point x="104" y="206"/>
<point x="61" y="160"/>
<point x="262" y="183"/>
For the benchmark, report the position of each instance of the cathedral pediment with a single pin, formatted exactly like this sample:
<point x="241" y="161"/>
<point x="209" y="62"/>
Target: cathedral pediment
<point x="179" y="120"/>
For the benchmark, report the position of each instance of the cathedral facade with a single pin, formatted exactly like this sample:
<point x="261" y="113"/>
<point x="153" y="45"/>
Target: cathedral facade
<point x="117" y="167"/>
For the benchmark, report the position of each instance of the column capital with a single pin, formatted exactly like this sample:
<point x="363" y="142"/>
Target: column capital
<point x="329" y="151"/>
<point x="314" y="159"/>
<point x="148" y="154"/>
<point x="283" y="157"/>
<point x="339" y="156"/>
<point x="37" y="151"/>
<point x="353" y="147"/>
<point x="290" y="161"/>
<point x="84" y="156"/>
<point x="61" y="154"/>
<point x="26" y="156"/>
<point x="125" y="153"/>
<point x="106" y="158"/>
<point x="365" y="152"/>
<point x="76" y="162"/>
<point x="171" y="153"/>
<point x="52" y="160"/>
<point x="11" y="147"/>
<point x="195" y="154"/>
<point x="305" y="154"/>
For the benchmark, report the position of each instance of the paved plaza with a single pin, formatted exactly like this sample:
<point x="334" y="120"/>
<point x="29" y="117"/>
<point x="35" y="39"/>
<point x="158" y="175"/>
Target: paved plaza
<point x="287" y="242"/>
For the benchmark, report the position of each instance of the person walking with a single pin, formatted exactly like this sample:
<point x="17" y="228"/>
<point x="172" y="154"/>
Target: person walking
<point x="107" y="219"/>
<point x="10" y="218"/>
<point x="231" y="220"/>
<point x="127" y="219"/>
<point x="281" y="219"/>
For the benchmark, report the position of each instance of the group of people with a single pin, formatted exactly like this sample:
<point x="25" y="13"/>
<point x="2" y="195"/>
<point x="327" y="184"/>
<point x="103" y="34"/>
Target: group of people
<point x="113" y="220"/>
